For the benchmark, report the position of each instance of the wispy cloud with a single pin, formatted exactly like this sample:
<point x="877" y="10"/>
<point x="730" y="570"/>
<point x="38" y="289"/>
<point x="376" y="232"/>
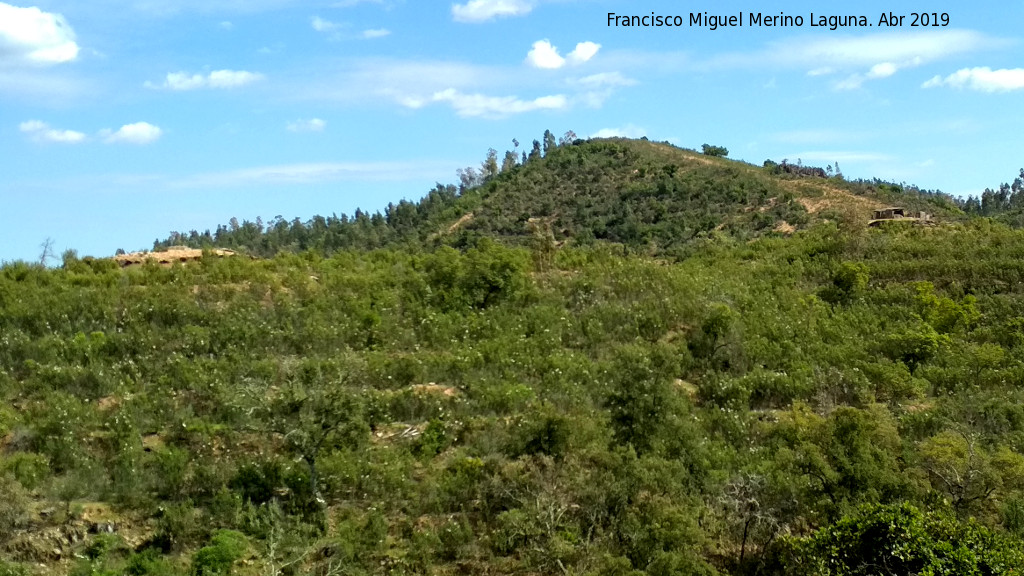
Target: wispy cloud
<point x="31" y="36"/>
<point x="983" y="79"/>
<point x="544" y="55"/>
<point x="321" y="25"/>
<point x="311" y="125"/>
<point x="313" y="172"/>
<point x="627" y="131"/>
<point x="471" y="90"/>
<point x="334" y="30"/>
<point x="137" y="133"/>
<point x="484" y="10"/>
<point x="165" y="9"/>
<point x="604" y="80"/>
<point x="218" y="79"/>
<point x="376" y="80"/>
<point x="350" y="3"/>
<point x="39" y="131"/>
<point x="483" y="106"/>
<point x="596" y="88"/>
<point x="861" y="58"/>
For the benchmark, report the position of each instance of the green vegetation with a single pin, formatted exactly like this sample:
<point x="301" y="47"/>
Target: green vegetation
<point x="688" y="392"/>
<point x="717" y="151"/>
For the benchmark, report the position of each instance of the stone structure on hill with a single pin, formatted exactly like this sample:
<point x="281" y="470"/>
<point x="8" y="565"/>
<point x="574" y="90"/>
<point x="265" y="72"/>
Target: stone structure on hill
<point x="900" y="215"/>
<point x="167" y="257"/>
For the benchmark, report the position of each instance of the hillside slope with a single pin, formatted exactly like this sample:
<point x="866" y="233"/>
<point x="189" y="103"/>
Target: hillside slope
<point x="510" y="387"/>
<point x="653" y="197"/>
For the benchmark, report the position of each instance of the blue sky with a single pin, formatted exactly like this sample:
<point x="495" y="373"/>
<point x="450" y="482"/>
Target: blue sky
<point x="121" y="120"/>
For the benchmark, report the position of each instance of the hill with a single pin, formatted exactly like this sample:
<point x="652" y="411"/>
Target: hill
<point x="647" y="196"/>
<point x="477" y="397"/>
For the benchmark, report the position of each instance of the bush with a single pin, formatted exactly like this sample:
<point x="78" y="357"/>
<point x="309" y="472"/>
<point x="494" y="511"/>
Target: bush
<point x="13" y="569"/>
<point x="258" y="482"/>
<point x="177" y="527"/>
<point x="905" y="540"/>
<point x="149" y="562"/>
<point x="226" y="547"/>
<point x="103" y="546"/>
<point x="28" y="469"/>
<point x="14" y="507"/>
<point x="546" y="433"/>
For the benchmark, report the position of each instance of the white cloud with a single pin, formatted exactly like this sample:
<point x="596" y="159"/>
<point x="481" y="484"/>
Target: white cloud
<point x="851" y="82"/>
<point x="29" y="35"/>
<point x="597" y="88"/>
<point x="232" y="78"/>
<point x="480" y="105"/>
<point x="311" y="125"/>
<point x="410" y="83"/>
<point x="309" y="173"/>
<point x="216" y="79"/>
<point x="605" y="79"/>
<point x="584" y="51"/>
<point x="900" y="50"/>
<point x="417" y="84"/>
<point x="41" y="132"/>
<point x="544" y="55"/>
<point x="183" y="81"/>
<point x="137" y="133"/>
<point x="484" y="10"/>
<point x="882" y="70"/>
<point x="227" y="25"/>
<point x="982" y="79"/>
<point x="376" y="33"/>
<point x="414" y="102"/>
<point x="861" y="58"/>
<point x="350" y="3"/>
<point x="321" y="25"/>
<point x="627" y="131"/>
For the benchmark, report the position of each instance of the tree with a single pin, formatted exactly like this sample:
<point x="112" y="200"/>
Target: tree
<point x="968" y="473"/>
<point x="510" y="161"/>
<point x="641" y="400"/>
<point x="549" y="142"/>
<point x="748" y="504"/>
<point x="468" y="178"/>
<point x="46" y="251"/>
<point x="717" y="151"/>
<point x="489" y="169"/>
<point x="535" y="153"/>
<point x="713" y="333"/>
<point x="316" y="416"/>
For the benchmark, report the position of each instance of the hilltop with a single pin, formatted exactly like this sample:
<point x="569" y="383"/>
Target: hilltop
<point x="649" y="196"/>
